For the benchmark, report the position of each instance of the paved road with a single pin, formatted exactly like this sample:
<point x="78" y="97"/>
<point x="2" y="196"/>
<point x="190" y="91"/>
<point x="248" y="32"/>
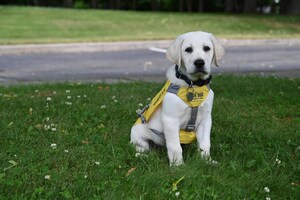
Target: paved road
<point x="133" y="60"/>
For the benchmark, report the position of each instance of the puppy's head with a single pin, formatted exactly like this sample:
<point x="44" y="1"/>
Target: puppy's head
<point x="194" y="52"/>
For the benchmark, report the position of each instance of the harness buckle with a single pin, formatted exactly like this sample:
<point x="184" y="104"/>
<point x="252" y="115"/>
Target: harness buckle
<point x="190" y="127"/>
<point x="140" y="114"/>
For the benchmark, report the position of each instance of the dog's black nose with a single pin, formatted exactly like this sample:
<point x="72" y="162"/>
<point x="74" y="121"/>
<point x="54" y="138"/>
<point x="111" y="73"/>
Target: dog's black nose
<point x="199" y="63"/>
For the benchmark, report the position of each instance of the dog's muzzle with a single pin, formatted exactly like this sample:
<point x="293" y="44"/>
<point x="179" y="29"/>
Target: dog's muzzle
<point x="199" y="64"/>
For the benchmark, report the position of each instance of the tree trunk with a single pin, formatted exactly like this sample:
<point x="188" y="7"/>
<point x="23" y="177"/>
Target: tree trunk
<point x="249" y="6"/>
<point x="189" y="3"/>
<point x="111" y="4"/>
<point x="134" y="4"/>
<point x="118" y="4"/>
<point x="94" y="3"/>
<point x="230" y="6"/>
<point x="180" y="5"/>
<point x="291" y="7"/>
<point x="68" y="3"/>
<point x="200" y="5"/>
<point x="153" y="5"/>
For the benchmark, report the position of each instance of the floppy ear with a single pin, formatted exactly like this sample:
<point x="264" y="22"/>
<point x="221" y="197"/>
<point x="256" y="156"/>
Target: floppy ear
<point x="174" y="51"/>
<point x="218" y="50"/>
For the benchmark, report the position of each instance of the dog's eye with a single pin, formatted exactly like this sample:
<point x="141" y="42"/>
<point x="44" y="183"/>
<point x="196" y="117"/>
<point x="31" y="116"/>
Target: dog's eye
<point x="189" y="50"/>
<point x="206" y="48"/>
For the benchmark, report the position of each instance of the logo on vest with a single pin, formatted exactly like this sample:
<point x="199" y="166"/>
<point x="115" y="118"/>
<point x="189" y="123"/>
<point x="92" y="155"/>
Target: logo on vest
<point x="198" y="95"/>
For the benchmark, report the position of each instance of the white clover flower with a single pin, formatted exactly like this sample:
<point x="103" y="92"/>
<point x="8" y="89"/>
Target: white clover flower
<point x="78" y="96"/>
<point x="53" y="129"/>
<point x="36" y="91"/>
<point x="85" y="176"/>
<point x="47" y="177"/>
<point x="148" y="99"/>
<point x="277" y="161"/>
<point x="47" y="127"/>
<point x="266" y="189"/>
<point x="49" y="99"/>
<point x="268" y="198"/>
<point x="103" y="106"/>
<point x="47" y="119"/>
<point x="68" y="91"/>
<point x="68" y="103"/>
<point x="66" y="151"/>
<point x="113" y="97"/>
<point x="137" y="155"/>
<point x="69" y="97"/>
<point x="177" y="194"/>
<point x="53" y="146"/>
<point x="115" y="100"/>
<point x="85" y="96"/>
<point x="97" y="163"/>
<point x="140" y="104"/>
<point x="54" y="92"/>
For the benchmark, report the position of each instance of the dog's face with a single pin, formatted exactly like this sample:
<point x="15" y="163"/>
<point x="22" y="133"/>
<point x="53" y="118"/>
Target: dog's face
<point x="194" y="53"/>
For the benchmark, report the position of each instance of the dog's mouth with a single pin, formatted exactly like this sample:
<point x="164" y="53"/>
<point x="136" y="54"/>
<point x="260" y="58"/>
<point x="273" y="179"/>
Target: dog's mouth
<point x="200" y="72"/>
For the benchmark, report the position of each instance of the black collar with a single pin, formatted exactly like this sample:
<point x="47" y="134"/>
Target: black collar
<point x="199" y="82"/>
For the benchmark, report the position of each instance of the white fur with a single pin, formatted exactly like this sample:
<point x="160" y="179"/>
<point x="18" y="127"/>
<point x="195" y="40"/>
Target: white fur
<point x="174" y="114"/>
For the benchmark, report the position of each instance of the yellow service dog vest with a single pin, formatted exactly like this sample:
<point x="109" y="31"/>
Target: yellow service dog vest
<point x="193" y="96"/>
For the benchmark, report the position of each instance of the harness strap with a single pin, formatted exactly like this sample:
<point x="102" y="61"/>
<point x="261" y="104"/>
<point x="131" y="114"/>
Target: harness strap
<point x="191" y="124"/>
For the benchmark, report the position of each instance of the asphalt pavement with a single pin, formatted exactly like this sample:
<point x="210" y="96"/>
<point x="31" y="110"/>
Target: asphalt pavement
<point x="112" y="61"/>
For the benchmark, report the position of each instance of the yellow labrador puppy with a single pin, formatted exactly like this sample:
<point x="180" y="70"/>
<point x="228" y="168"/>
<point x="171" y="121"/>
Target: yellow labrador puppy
<point x="181" y="112"/>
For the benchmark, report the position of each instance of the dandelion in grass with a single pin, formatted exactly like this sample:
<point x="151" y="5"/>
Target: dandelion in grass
<point x="54" y="146"/>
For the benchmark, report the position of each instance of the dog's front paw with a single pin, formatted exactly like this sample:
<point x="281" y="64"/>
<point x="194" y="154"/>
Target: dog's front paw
<point x="205" y="155"/>
<point x="176" y="163"/>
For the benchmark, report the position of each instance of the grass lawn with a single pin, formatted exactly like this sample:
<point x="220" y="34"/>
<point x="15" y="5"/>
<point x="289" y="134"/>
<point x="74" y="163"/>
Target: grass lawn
<point x="48" y="25"/>
<point x="71" y="141"/>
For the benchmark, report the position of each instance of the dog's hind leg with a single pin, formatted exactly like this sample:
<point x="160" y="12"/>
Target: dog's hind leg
<point x="140" y="137"/>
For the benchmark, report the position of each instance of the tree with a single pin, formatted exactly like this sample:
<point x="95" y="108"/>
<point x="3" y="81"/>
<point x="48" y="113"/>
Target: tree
<point x="153" y="4"/>
<point x="249" y="6"/>
<point x="200" y="5"/>
<point x="68" y="3"/>
<point x="189" y="4"/>
<point x="94" y="3"/>
<point x="290" y="7"/>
